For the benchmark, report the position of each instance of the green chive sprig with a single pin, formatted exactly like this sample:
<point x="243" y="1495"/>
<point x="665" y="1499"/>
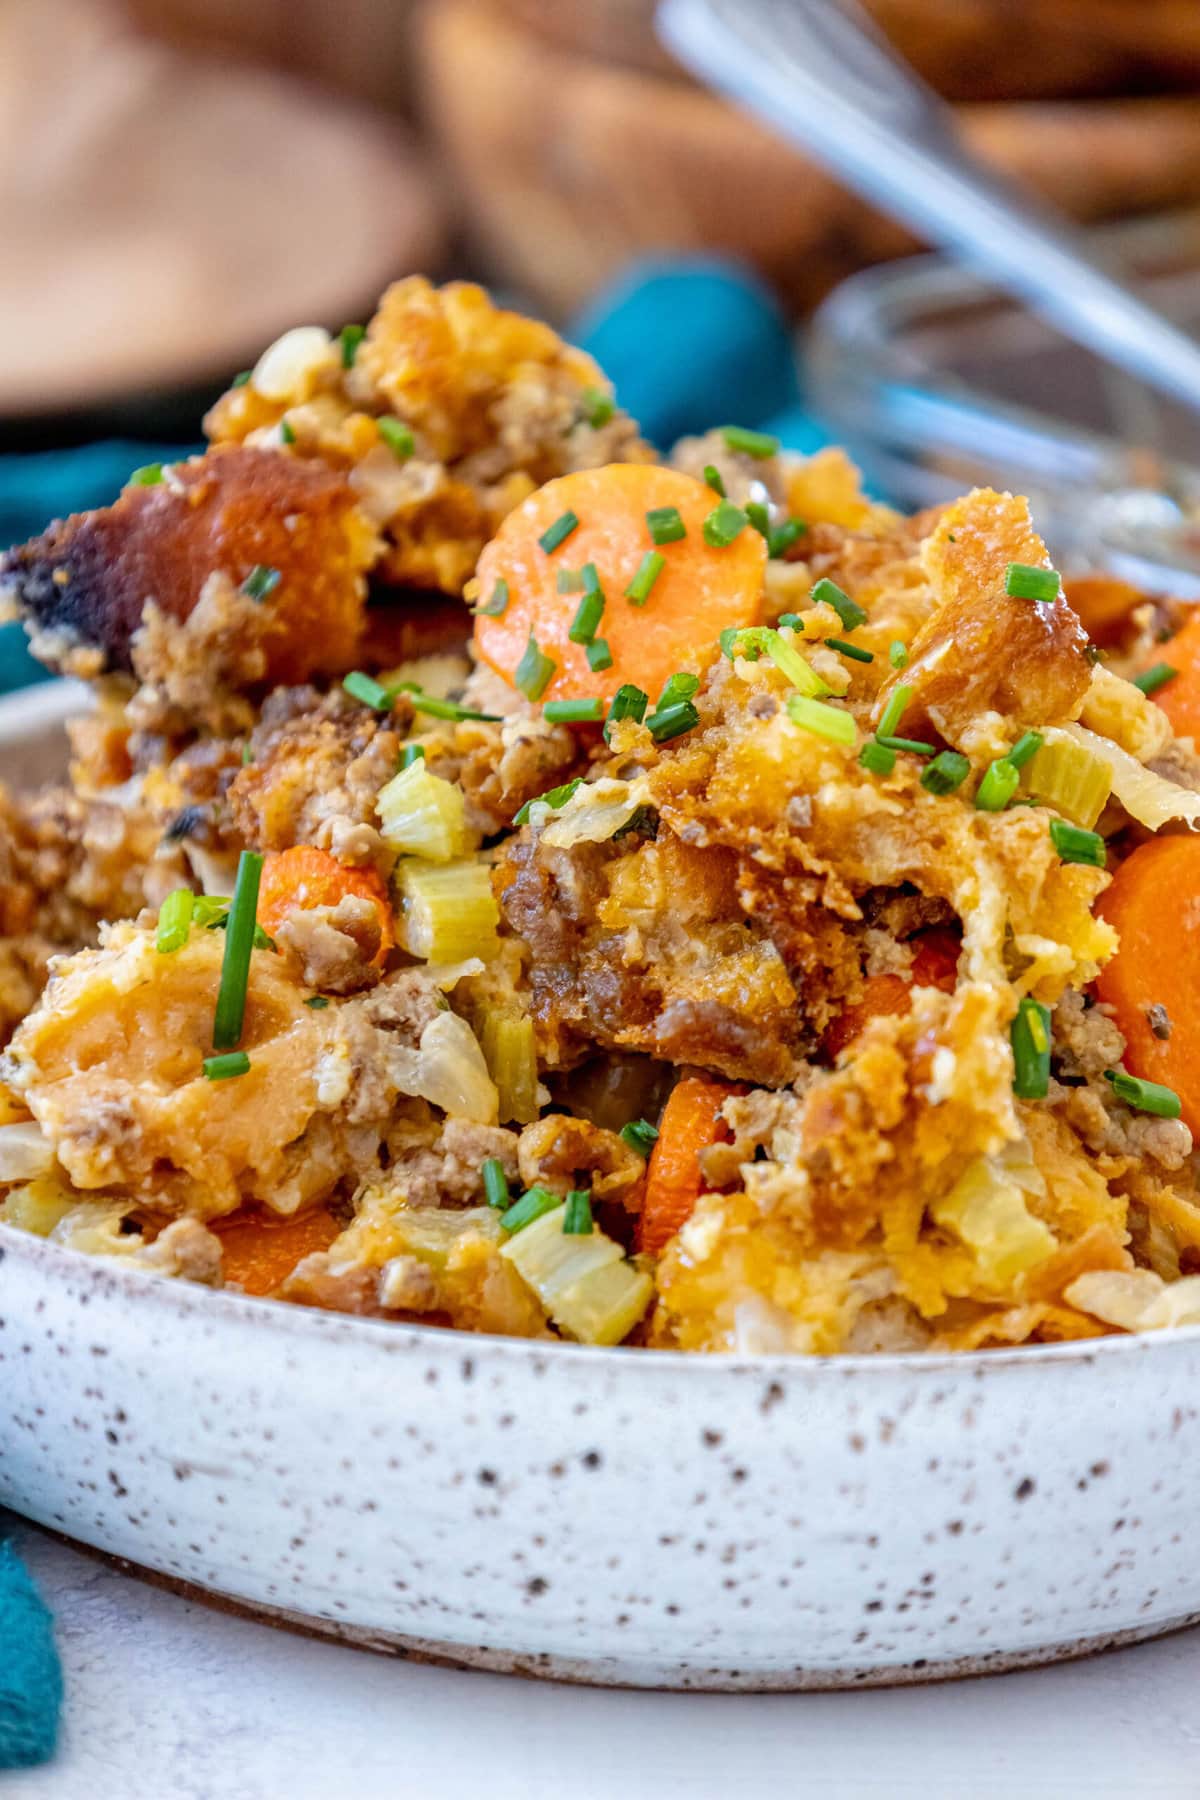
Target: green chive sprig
<point x="174" y="921"/>
<point x="597" y="406"/>
<point x="410" y="754"/>
<point x="363" y="687"/>
<point x="898" y="654"/>
<point x="573" y="712"/>
<point x="495" y="1184"/>
<point x="1144" y="1096"/>
<point x="947" y="771"/>
<point x="497" y="606"/>
<point x="239" y="943"/>
<point x="1150" y="680"/>
<point x="724" y="524"/>
<point x="1025" y="749"/>
<point x="559" y="531"/>
<point x="713" y="479"/>
<point x="877" y="758"/>
<point x="1030" y="1037"/>
<point x="647" y="573"/>
<point x="555" y="797"/>
<point x="854" y="651"/>
<point x="149" y="475"/>
<point x="629" y="702"/>
<point x="348" y="339"/>
<point x="822" y="720"/>
<point x="531" y="1206"/>
<point x="1075" y="845"/>
<point x="828" y="593"/>
<point x="999" y="784"/>
<point x="672" y="721"/>
<point x="223" y="1068"/>
<point x="535" y="671"/>
<point x="666" y="524"/>
<point x="260" y="582"/>
<point x="1025" y="582"/>
<point x="397" y="436"/>
<point x="588" y="615"/>
<point x="599" y="655"/>
<point x="758" y="444"/>
<point x="577" y="1220"/>
<point x="894" y="710"/>
<point x="640" y="1135"/>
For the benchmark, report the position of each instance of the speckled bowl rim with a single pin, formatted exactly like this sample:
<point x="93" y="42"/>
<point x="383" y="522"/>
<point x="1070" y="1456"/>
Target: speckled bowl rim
<point x="315" y="1323"/>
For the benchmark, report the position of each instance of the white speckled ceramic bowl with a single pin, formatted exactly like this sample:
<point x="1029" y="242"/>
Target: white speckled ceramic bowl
<point x="610" y="1516"/>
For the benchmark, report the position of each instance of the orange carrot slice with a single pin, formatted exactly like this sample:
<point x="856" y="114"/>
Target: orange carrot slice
<point x="1103" y="603"/>
<point x="1180" y="697"/>
<point x="1154" y="904"/>
<point x="305" y="877"/>
<point x="260" y="1252"/>
<point x="934" y="964"/>
<point x="699" y="590"/>
<point x="691" y="1121"/>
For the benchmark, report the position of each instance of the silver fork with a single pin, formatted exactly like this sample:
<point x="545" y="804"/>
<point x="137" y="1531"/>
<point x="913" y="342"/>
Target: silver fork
<point x="822" y="75"/>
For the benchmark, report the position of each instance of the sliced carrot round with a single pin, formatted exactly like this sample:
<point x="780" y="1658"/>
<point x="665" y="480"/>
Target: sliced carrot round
<point x="1154" y="905"/>
<point x="934" y="964"/>
<point x="259" y="1252"/>
<point x="1180" y="697"/>
<point x="304" y="877"/>
<point x="691" y="1121"/>
<point x="699" y="590"/>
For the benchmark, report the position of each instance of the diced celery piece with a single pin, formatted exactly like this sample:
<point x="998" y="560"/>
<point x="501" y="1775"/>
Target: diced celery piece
<point x="447" y="911"/>
<point x="511" y="1053"/>
<point x="585" y="1284"/>
<point x="424" y="815"/>
<point x="1070" y="778"/>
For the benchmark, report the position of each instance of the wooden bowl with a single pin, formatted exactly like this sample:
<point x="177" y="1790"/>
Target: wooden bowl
<point x="969" y="49"/>
<point x="613" y="162"/>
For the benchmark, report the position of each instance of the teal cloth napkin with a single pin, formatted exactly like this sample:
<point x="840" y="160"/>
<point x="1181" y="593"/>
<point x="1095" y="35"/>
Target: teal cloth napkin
<point x="30" y="1676"/>
<point x="687" y="343"/>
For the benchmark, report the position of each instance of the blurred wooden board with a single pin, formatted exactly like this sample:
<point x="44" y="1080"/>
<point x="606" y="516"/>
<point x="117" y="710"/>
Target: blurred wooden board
<point x="167" y="216"/>
<point x="612" y="162"/>
<point x="969" y="49"/>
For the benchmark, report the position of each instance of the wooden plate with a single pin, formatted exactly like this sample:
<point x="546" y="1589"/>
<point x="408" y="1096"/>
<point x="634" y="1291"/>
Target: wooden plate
<point x="167" y="216"/>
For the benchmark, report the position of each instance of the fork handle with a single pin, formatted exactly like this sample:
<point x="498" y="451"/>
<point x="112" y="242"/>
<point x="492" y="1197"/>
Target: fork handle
<point x="822" y="75"/>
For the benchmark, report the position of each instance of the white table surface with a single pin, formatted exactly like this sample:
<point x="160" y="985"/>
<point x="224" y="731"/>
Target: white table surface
<point x="170" y="1700"/>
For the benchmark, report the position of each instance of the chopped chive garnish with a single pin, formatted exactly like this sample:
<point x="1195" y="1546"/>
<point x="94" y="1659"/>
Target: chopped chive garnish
<point x="672" y="721"/>
<point x="241" y="378"/>
<point x="599" y="655"/>
<point x="894" y="711"/>
<point x="598" y="407"/>
<point x="1075" y="845"/>
<point x="998" y="786"/>
<point x="569" y="581"/>
<point x="877" y="758"/>
<point x="853" y="651"/>
<point x="780" y="538"/>
<point x="371" y="692"/>
<point x="640" y="1135"/>
<point x="725" y="523"/>
<point x="1030" y="1038"/>
<point x="535" y="671"/>
<point x="914" y="746"/>
<point x="410" y="754"/>
<point x="591" y="579"/>
<point x="221" y="1068"/>
<point x="438" y="708"/>
<point x="898" y="654"/>
<point x="1152" y="679"/>
<point x="529" y="1207"/>
<point x="629" y="702"/>
<point x="495" y="1183"/>
<point x="318" y="1002"/>
<point x="553" y="797"/>
<point x="587" y="617"/>
<point x="712" y="479"/>
<point x="828" y="593"/>
<point x="260" y="582"/>
<point x="1026" y="746"/>
<point x="1023" y="582"/>
<point x="149" y="475"/>
<point x="680" y="686"/>
<point x="239" y="942"/>
<point x="397" y="436"/>
<point x="349" y="338"/>
<point x="573" y="712"/>
<point x="759" y="444"/>
<point x="263" y="940"/>
<point x="822" y="720"/>
<point x="247" y="756"/>
<point x="1144" y="1096"/>
<point x="287" y="432"/>
<point x="577" y="1220"/>
<point x="759" y="516"/>
<point x="210" y="909"/>
<point x="792" y="620"/>
<point x="497" y="606"/>
<point x="947" y="771"/>
<point x="749" y="642"/>
<point x="648" y="572"/>
<point x="174" y="921"/>
<point x="666" y="524"/>
<point x="559" y="532"/>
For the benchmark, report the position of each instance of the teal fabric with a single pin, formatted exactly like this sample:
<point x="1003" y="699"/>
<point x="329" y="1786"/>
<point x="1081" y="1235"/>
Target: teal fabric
<point x="47" y="485"/>
<point x="30" y="1675"/>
